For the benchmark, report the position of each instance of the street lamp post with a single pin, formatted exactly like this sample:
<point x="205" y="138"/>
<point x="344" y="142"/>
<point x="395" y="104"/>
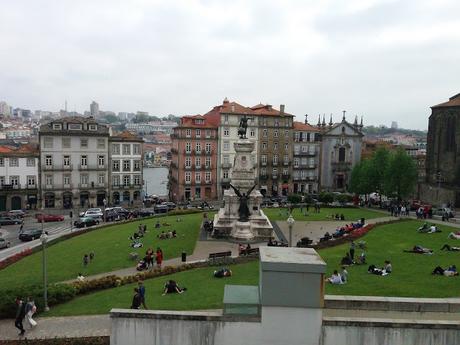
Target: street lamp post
<point x="44" y="239"/>
<point x="290" y="222"/>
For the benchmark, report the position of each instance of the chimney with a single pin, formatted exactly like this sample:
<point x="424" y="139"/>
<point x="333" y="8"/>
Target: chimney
<point x="281" y="109"/>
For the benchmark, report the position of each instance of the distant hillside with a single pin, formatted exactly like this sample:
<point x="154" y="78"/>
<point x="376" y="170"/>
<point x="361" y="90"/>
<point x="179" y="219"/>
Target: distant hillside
<point x="377" y="131"/>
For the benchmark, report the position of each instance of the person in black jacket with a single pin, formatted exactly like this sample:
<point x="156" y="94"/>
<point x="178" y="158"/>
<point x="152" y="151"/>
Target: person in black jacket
<point x="137" y="299"/>
<point x="20" y="314"/>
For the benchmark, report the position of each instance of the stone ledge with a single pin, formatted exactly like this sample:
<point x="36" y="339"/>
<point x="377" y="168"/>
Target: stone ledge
<point x="390" y="323"/>
<point x="215" y="315"/>
<point x="447" y="305"/>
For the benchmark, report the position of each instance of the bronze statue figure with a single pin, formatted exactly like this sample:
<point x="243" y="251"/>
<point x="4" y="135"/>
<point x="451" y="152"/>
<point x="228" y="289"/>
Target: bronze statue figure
<point x="243" y="127"/>
<point x="243" y="210"/>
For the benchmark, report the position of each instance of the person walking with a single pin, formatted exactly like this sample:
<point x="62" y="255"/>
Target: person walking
<point x="159" y="257"/>
<point x="136" y="303"/>
<point x="352" y="251"/>
<point x="30" y="311"/>
<point x="20" y="314"/>
<point x="141" y="289"/>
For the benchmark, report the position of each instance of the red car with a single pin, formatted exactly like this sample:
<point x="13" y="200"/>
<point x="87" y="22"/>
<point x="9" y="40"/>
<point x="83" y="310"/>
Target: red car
<point x="49" y="218"/>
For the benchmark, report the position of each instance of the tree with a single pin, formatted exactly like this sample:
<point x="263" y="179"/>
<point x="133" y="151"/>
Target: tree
<point x="111" y="118"/>
<point x="294" y="198"/>
<point x="377" y="169"/>
<point x="400" y="175"/>
<point x="325" y="197"/>
<point x="361" y="178"/>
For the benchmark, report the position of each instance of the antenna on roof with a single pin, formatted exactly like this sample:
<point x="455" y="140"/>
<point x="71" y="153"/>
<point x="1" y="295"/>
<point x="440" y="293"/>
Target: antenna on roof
<point x="343" y="118"/>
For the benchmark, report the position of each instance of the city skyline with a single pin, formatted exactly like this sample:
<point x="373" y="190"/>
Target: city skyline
<point x="376" y="59"/>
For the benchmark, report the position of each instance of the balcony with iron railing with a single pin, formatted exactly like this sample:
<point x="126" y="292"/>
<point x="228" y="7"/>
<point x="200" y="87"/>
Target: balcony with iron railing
<point x="225" y="180"/>
<point x="9" y="186"/>
<point x="197" y="166"/>
<point x="86" y="167"/>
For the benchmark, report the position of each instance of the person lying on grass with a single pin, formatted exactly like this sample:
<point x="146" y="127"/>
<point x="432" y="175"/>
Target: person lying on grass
<point x="335" y="278"/>
<point x="448" y="272"/>
<point x="450" y="248"/>
<point x="223" y="272"/>
<point x="172" y="287"/>
<point x="424" y="228"/>
<point x="454" y="235"/>
<point x="420" y="250"/>
<point x="433" y="229"/>
<point x="377" y="271"/>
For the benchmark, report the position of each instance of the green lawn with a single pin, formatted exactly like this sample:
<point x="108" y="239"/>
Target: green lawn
<point x="111" y="247"/>
<point x="325" y="213"/>
<point x="411" y="275"/>
<point x="203" y="292"/>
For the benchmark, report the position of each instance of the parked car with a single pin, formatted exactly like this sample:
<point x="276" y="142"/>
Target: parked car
<point x="10" y="221"/>
<point x="16" y="213"/>
<point x="30" y="234"/>
<point x="442" y="211"/>
<point x="145" y="212"/>
<point x="205" y="206"/>
<point x="85" y="222"/>
<point x="169" y="204"/>
<point x="41" y="217"/>
<point x="94" y="214"/>
<point x="4" y="243"/>
<point x="161" y="209"/>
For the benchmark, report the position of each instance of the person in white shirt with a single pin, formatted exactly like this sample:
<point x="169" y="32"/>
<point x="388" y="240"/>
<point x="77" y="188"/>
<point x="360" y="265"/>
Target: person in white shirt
<point x="80" y="277"/>
<point x="335" y="278"/>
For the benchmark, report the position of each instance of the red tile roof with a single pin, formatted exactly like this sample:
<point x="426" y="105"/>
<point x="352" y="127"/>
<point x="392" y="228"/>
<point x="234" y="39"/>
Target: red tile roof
<point x="189" y="121"/>
<point x="454" y="101"/>
<point x="300" y="126"/>
<point x="267" y="109"/>
<point x="23" y="150"/>
<point x="227" y="107"/>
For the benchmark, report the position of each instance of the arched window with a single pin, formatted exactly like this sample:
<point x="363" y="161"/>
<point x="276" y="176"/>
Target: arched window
<point x="342" y="154"/>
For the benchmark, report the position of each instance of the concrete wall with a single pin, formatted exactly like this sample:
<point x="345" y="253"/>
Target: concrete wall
<point x="278" y="325"/>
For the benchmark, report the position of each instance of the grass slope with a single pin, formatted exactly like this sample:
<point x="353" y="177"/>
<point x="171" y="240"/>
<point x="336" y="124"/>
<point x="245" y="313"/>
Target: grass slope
<point x="111" y="247"/>
<point x="411" y="275"/>
<point x="351" y="214"/>
<point x="203" y="292"/>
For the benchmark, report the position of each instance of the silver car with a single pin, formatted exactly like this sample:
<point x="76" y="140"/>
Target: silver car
<point x="4" y="243"/>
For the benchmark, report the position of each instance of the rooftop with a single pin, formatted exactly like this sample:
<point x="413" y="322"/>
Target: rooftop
<point x="454" y="101"/>
<point x="300" y="126"/>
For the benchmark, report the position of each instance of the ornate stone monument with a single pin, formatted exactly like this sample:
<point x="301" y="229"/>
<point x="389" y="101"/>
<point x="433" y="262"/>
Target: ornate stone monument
<point x="241" y="218"/>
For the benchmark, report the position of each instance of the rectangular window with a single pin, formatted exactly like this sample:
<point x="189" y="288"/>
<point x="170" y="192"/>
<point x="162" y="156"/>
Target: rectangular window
<point x="208" y="162"/>
<point x="101" y="161"/>
<point x="198" y="148"/>
<point x="226" y="132"/>
<point x="49" y="180"/>
<point x="83" y="142"/>
<point x="137" y="165"/>
<point x="136" y="149"/>
<point x="188" y="176"/>
<point x="92" y="127"/>
<point x="226" y="146"/>
<point x="84" y="180"/>
<point x="285" y="172"/>
<point x="207" y="176"/>
<point x="263" y="159"/>
<point x="198" y="133"/>
<point x="49" y="161"/>
<point x="277" y="123"/>
<point x="275" y="133"/>
<point x="14" y="162"/>
<point x="264" y="146"/>
<point x="198" y="161"/>
<point x="84" y="161"/>
<point x="116" y="165"/>
<point x="188" y="133"/>
<point x="30" y="162"/>
<point x="115" y="149"/>
<point x="286" y="159"/>
<point x="57" y="126"/>
<point x="275" y="146"/>
<point x="101" y="179"/>
<point x="2" y="162"/>
<point x="308" y="136"/>
<point x="225" y="174"/>
<point x="116" y="180"/>
<point x="137" y="180"/>
<point x="66" y="143"/>
<point x="48" y="142"/>
<point x="296" y="136"/>
<point x="252" y="133"/>
<point x="286" y="134"/>
<point x="265" y="133"/>
<point x="275" y="172"/>
<point x="66" y="180"/>
<point x="198" y="177"/>
<point x="126" y="149"/>
<point x="296" y="162"/>
<point x="126" y="180"/>
<point x="2" y="180"/>
<point x="66" y="161"/>
<point x="208" y="133"/>
<point x="226" y="118"/>
<point x="188" y="162"/>
<point x="263" y="171"/>
<point x="74" y="126"/>
<point x="30" y="180"/>
<point x="126" y="165"/>
<point x="188" y="147"/>
<point x="101" y="143"/>
<point x="208" y="147"/>
<point x="275" y="159"/>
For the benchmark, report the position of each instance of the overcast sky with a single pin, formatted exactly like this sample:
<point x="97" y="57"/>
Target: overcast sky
<point x="385" y="60"/>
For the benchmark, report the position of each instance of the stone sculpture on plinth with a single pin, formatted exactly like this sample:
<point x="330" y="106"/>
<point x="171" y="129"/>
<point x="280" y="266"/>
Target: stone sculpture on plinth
<point x="241" y="218"/>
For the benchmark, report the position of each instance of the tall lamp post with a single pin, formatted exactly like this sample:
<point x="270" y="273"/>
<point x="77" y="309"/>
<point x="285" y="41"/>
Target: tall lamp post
<point x="290" y="222"/>
<point x="44" y="239"/>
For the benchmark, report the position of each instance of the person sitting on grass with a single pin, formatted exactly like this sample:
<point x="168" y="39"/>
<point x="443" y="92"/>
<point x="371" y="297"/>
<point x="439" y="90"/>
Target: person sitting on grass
<point x="361" y="258"/>
<point x="387" y="266"/>
<point x="449" y="272"/>
<point x="157" y="224"/>
<point x="420" y="250"/>
<point x="223" y="272"/>
<point x="377" y="271"/>
<point x="335" y="278"/>
<point x="344" y="275"/>
<point x="174" y="234"/>
<point x="162" y="236"/>
<point x="80" y="277"/>
<point x="346" y="260"/>
<point x="172" y="287"/>
<point x="450" y="248"/>
<point x="424" y="228"/>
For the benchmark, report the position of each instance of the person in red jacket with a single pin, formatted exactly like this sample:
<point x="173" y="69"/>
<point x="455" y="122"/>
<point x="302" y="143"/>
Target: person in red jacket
<point x="159" y="257"/>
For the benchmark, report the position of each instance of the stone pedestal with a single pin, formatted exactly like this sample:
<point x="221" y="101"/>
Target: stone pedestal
<point x="226" y="221"/>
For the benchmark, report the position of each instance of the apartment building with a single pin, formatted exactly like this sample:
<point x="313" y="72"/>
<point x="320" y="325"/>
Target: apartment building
<point x="18" y="176"/>
<point x="274" y="149"/>
<point x="227" y="116"/>
<point x="74" y="159"/>
<point x="306" y="158"/>
<point x="126" y="171"/>
<point x="193" y="169"/>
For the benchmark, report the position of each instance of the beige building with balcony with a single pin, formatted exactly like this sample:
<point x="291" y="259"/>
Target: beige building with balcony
<point x="73" y="163"/>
